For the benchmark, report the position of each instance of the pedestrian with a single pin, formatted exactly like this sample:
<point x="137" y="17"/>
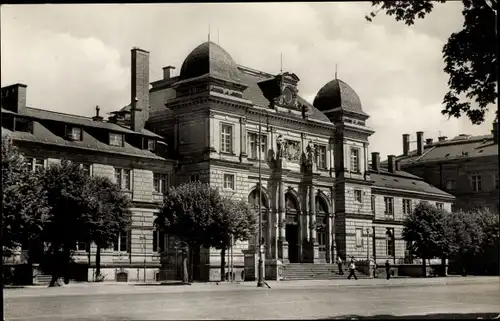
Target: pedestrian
<point x="388" y="269"/>
<point x="352" y="270"/>
<point x="339" y="263"/>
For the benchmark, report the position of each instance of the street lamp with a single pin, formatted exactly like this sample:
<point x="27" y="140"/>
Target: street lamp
<point x="260" y="281"/>
<point x="368" y="245"/>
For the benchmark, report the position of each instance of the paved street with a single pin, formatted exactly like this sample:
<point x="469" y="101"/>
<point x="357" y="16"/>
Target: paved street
<point x="285" y="300"/>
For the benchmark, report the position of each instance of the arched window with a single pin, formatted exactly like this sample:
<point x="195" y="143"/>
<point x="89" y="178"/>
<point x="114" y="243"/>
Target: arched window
<point x="291" y="205"/>
<point x="253" y="200"/>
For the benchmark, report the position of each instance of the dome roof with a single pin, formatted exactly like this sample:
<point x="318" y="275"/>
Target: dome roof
<point x="209" y="58"/>
<point x="337" y="93"/>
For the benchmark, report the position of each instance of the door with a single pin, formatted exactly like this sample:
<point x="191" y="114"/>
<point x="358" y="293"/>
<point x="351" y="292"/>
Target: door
<point x="292" y="237"/>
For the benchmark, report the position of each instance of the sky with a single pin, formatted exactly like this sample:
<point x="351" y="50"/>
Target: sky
<point x="74" y="57"/>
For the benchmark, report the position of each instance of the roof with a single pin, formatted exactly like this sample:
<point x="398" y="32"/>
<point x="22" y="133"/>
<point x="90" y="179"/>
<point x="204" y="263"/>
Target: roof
<point x="210" y="58"/>
<point x="43" y="135"/>
<point x="460" y="147"/>
<point x="405" y="181"/>
<point x="337" y="93"/>
<point x="79" y="120"/>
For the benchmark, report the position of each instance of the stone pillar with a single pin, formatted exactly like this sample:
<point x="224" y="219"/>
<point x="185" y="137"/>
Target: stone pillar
<point x="212" y="132"/>
<point x="306" y="216"/>
<point x="243" y="138"/>
<point x="365" y="156"/>
<point x="269" y="231"/>
<point x="283" y="245"/>
<point x="314" y="241"/>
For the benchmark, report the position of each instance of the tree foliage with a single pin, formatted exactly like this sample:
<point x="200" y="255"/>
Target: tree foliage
<point x="470" y="54"/>
<point x="24" y="203"/>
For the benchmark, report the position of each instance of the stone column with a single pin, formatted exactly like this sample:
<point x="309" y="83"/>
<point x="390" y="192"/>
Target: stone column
<point x="365" y="156"/>
<point x="306" y="216"/>
<point x="312" y="209"/>
<point x="283" y="246"/>
<point x="243" y="138"/>
<point x="269" y="232"/>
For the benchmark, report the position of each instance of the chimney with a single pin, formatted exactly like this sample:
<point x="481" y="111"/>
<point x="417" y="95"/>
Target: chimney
<point x="406" y="144"/>
<point x="167" y="72"/>
<point x="495" y="132"/>
<point x="391" y="163"/>
<point x="398" y="166"/>
<point x="442" y="138"/>
<point x="428" y="141"/>
<point x="135" y="116"/>
<point x="14" y="98"/>
<point x="420" y="143"/>
<point x="97" y="117"/>
<point x="376" y="161"/>
<point x="140" y="87"/>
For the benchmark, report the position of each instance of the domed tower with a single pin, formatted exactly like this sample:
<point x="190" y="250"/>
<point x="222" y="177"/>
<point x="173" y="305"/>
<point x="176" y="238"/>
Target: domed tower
<point x="340" y="103"/>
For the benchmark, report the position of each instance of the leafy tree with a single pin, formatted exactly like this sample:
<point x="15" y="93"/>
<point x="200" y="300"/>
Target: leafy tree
<point x="425" y="231"/>
<point x="24" y="204"/>
<point x="108" y="214"/>
<point x="487" y="259"/>
<point x="234" y="218"/>
<point x="65" y="186"/>
<point x="470" y="54"/>
<point x="187" y="213"/>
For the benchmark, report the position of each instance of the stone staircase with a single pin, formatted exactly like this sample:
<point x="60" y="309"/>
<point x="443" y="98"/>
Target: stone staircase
<point x="311" y="271"/>
<point x="42" y="279"/>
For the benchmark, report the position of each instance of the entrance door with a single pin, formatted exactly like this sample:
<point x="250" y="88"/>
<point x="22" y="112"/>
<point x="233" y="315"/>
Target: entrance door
<point x="292" y="237"/>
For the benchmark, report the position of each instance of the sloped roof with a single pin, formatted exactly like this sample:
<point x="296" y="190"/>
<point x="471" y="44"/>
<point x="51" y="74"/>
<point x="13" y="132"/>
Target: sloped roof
<point x="405" y="181"/>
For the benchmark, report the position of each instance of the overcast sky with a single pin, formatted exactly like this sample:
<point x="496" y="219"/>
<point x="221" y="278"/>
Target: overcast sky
<point x="73" y="57"/>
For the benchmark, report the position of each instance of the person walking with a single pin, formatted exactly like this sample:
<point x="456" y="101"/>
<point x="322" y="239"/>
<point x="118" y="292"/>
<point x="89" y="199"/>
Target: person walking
<point x="352" y="270"/>
<point x="387" y="269"/>
<point x="339" y="264"/>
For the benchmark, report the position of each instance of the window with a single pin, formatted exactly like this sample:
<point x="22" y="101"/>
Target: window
<point x="74" y="133"/>
<point x="358" y="196"/>
<point x="151" y="144"/>
<point x="160" y="182"/>
<point x="321" y="158"/>
<point x="85" y="168"/>
<point x="355" y="160"/>
<point x="159" y="241"/>
<point x="23" y="125"/>
<point x="389" y="205"/>
<point x="122" y="178"/>
<point x="407" y="206"/>
<point x="359" y="237"/>
<point x="450" y="185"/>
<point x="440" y="206"/>
<point x="115" y="139"/>
<point x="373" y="204"/>
<point x="475" y="180"/>
<point x="229" y="181"/>
<point x="195" y="178"/>
<point x="122" y="244"/>
<point x="226" y="138"/>
<point x="253" y="146"/>
<point x="390" y="246"/>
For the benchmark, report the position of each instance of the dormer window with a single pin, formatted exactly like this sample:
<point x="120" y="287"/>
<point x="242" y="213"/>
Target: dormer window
<point x="116" y="139"/>
<point x="151" y="144"/>
<point x="74" y="133"/>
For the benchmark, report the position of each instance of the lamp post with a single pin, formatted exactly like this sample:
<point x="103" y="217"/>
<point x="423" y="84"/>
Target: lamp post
<point x="260" y="280"/>
<point x="368" y="245"/>
<point x="143" y="240"/>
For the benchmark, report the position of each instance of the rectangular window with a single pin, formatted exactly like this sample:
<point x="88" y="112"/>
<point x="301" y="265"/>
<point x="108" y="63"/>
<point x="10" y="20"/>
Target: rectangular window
<point x="253" y="147"/>
<point x="116" y="139"/>
<point x="226" y="138"/>
<point x="229" y="181"/>
<point x="475" y="180"/>
<point x="355" y="160"/>
<point x="407" y="206"/>
<point x="359" y="237"/>
<point x="39" y="164"/>
<point x="74" y="133"/>
<point x="389" y="205"/>
<point x="122" y="178"/>
<point x="373" y="204"/>
<point x="358" y="196"/>
<point x="151" y="144"/>
<point x="85" y="168"/>
<point x="321" y="157"/>
<point x="390" y="243"/>
<point x="450" y="185"/>
<point x="159" y="241"/>
<point x="195" y="178"/>
<point x="440" y="206"/>
<point x="160" y="182"/>
<point x="122" y="244"/>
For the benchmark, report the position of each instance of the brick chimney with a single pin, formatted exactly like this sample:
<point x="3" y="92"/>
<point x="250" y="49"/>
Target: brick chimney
<point x="442" y="138"/>
<point x="406" y="144"/>
<point x="398" y="166"/>
<point x="376" y="161"/>
<point x="167" y="72"/>
<point x="136" y="116"/>
<point x="14" y="98"/>
<point x="428" y="141"/>
<point x="420" y="143"/>
<point x="391" y="163"/>
<point x="97" y="117"/>
<point x="140" y="86"/>
<point x="494" y="131"/>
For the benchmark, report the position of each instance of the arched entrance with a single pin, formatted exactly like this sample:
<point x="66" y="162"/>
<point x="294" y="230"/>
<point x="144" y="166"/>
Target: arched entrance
<point x="253" y="200"/>
<point x="321" y="226"/>
<point x="292" y="227"/>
